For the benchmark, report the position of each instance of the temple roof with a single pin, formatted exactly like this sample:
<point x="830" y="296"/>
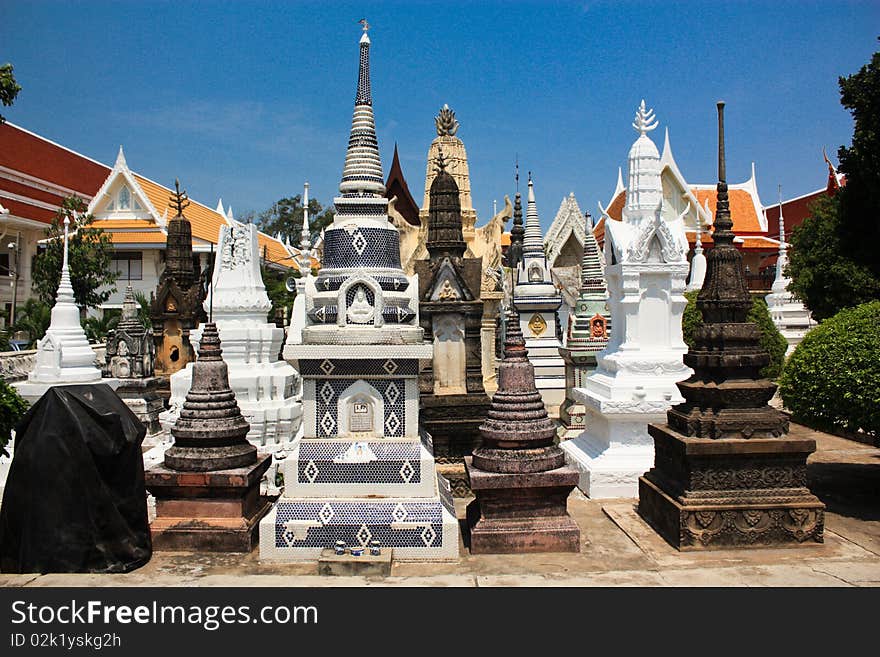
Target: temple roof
<point x="569" y="220"/>
<point x="395" y="185"/>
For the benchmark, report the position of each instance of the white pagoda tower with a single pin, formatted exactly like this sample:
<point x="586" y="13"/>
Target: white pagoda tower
<point x="64" y="355"/>
<point x="364" y="469"/>
<point x="537" y="301"/>
<point x="266" y="388"/>
<point x="790" y="315"/>
<point x="634" y="382"/>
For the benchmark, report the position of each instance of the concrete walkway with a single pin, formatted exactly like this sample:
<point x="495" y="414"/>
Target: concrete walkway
<point x="618" y="549"/>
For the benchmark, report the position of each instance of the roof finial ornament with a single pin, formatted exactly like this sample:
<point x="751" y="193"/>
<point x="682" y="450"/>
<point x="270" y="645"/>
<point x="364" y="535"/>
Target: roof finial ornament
<point x="179" y="201"/>
<point x="645" y="120"/>
<point x="365" y="24"/>
<point x="446" y="123"/>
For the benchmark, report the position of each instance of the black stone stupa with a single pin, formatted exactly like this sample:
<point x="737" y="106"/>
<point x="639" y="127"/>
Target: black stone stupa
<point x="725" y="472"/>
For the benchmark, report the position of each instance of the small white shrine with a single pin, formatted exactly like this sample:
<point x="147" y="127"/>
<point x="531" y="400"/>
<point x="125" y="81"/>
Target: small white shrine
<point x="789" y="315"/>
<point x="634" y="383"/>
<point x="537" y="301"/>
<point x="267" y="389"/>
<point x="64" y="355"/>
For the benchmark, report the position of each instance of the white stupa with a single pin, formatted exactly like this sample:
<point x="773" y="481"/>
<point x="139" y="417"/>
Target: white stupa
<point x="698" y="263"/>
<point x="789" y="315"/>
<point x="267" y="389"/>
<point x="634" y="382"/>
<point x="64" y="355"/>
<point x="537" y="301"/>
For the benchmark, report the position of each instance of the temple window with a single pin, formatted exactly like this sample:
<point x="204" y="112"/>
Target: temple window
<point x="129" y="265"/>
<point x="124" y="198"/>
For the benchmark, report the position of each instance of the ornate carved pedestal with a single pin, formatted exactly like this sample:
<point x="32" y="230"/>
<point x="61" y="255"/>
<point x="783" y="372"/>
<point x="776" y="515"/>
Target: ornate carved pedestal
<point x="522" y="512"/>
<point x="216" y="511"/>
<point x="706" y="493"/>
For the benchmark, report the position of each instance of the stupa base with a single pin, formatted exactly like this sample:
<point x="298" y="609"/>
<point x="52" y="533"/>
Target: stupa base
<point x="521" y="513"/>
<point x="730" y="493"/>
<point x="215" y="511"/>
<point x="143" y="398"/>
<point x="416" y="528"/>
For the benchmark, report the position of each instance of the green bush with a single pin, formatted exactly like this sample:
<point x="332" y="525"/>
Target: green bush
<point x="771" y="339"/>
<point x="832" y="380"/>
<point x="12" y="408"/>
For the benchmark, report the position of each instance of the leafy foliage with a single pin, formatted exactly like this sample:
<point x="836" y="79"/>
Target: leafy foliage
<point x="9" y="88"/>
<point x="771" y="339"/>
<point x="33" y="318"/>
<point x="12" y="409"/>
<point x="832" y="380"/>
<point x="285" y="218"/>
<point x="97" y="328"/>
<point x="823" y="274"/>
<point x="279" y="296"/>
<point x="90" y="255"/>
<point x="834" y="263"/>
<point x="859" y="227"/>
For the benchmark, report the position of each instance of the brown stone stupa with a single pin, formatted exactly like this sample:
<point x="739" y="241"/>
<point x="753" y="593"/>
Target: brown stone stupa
<point x="453" y="400"/>
<point x="176" y="308"/>
<point x="518" y="475"/>
<point x="207" y="491"/>
<point x="725" y="473"/>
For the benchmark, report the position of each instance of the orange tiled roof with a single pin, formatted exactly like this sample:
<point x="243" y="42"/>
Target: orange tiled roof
<point x="206" y="222"/>
<point x="120" y="224"/>
<point x="742" y="209"/>
<point x="505" y="239"/>
<point x="136" y="237"/>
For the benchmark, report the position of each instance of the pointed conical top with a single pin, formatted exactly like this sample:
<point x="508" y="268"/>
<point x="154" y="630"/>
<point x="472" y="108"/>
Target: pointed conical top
<point x="211" y="433"/>
<point x="229" y="214"/>
<point x="120" y="159"/>
<point x="362" y="174"/>
<point x="219" y="209"/>
<point x="65" y="288"/>
<point x="518" y="435"/>
<point x="533" y="241"/>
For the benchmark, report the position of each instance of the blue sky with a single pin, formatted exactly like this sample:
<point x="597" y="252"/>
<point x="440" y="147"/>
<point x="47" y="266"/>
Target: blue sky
<point x="248" y="100"/>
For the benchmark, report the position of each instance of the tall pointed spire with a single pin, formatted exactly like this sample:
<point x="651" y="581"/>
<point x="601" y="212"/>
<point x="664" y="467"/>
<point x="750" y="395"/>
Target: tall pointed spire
<point x="305" y="256"/>
<point x="362" y="175"/>
<point x="533" y="240"/>
<point x="780" y="283"/>
<point x="65" y="289"/>
<point x="120" y="159"/>
<point x="514" y="251"/>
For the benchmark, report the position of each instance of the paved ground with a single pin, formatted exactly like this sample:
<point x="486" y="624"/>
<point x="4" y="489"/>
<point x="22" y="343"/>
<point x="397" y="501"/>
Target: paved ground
<point x="618" y="549"/>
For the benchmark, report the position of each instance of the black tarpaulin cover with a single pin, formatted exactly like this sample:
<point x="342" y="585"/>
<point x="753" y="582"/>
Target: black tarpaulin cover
<point x="75" y="499"/>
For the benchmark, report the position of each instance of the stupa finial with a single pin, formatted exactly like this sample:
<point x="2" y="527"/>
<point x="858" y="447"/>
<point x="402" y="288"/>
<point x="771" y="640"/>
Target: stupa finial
<point x="179" y="200"/>
<point x="446" y="123"/>
<point x="645" y="120"/>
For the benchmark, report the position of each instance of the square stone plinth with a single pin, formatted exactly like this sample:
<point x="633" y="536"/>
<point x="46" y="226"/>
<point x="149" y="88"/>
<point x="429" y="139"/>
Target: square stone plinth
<point x="730" y="493"/>
<point x="215" y="511"/>
<point x="515" y="513"/>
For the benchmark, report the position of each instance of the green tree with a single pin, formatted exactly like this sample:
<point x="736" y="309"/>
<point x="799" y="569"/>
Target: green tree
<point x="33" y="318"/>
<point x="12" y="409"/>
<point x="275" y="282"/>
<point x="90" y="255"/>
<point x="771" y="339"/>
<point x="98" y="328"/>
<point x="823" y="274"/>
<point x="9" y="88"/>
<point x="285" y="218"/>
<point x="833" y="262"/>
<point x="859" y="225"/>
